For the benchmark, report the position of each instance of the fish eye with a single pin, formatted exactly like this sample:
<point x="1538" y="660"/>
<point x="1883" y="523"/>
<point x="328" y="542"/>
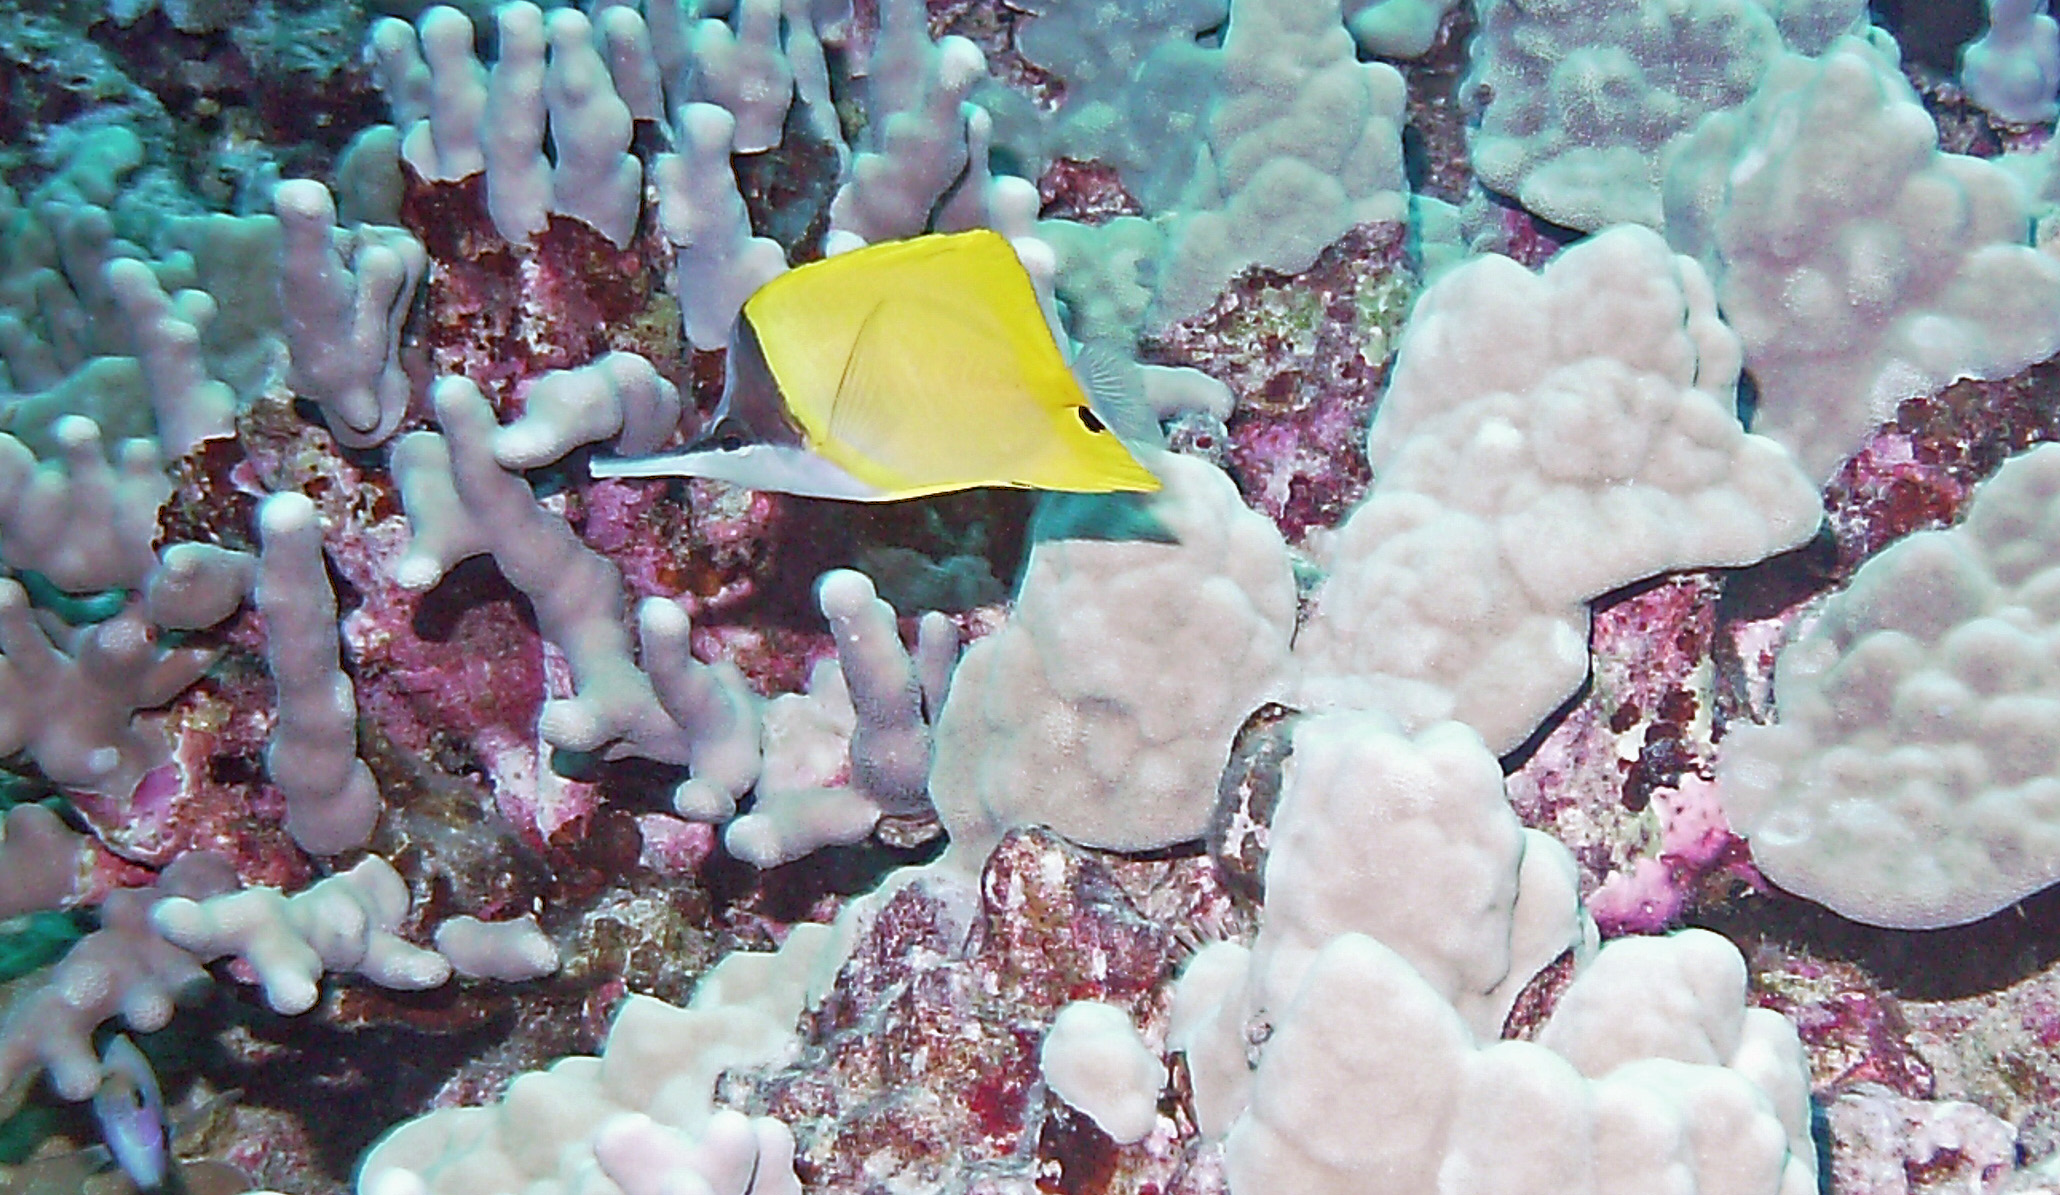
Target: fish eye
<point x="730" y="443"/>
<point x="1090" y="420"/>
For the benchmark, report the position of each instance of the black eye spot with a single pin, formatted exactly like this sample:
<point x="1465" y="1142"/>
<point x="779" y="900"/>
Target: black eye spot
<point x="730" y="443"/>
<point x="1089" y="420"/>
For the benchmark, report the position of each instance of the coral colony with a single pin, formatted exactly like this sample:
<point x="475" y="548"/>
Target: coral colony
<point x="1579" y="713"/>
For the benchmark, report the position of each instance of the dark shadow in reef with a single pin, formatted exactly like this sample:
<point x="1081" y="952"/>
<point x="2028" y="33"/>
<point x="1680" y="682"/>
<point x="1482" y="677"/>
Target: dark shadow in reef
<point x="1746" y="402"/>
<point x="1983" y="956"/>
<point x="1931" y="31"/>
<point x="1820" y="1142"/>
<point x="1559" y="234"/>
<point x="344" y="1086"/>
<point x="474" y="581"/>
<point x="1777" y="583"/>
<point x="208" y="86"/>
<point x="950" y="552"/>
<point x="787" y="190"/>
<point x="788" y="892"/>
<point x="1515" y="759"/>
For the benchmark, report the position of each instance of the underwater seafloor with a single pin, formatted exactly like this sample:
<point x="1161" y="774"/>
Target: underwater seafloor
<point x="525" y="766"/>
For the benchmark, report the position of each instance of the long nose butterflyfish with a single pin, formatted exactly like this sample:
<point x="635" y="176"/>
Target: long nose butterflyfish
<point x="904" y="369"/>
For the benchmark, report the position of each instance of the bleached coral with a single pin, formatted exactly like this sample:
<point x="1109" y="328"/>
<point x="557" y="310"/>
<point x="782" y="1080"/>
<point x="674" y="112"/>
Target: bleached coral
<point x="717" y="262"/>
<point x="1354" y="1045"/>
<point x="1396" y="28"/>
<point x="1105" y="707"/>
<point x="123" y="969"/>
<point x="924" y="167"/>
<point x="744" y="72"/>
<point x="73" y="700"/>
<point x="1138" y="88"/>
<point x="711" y="703"/>
<point x="1859" y="264"/>
<point x="510" y="951"/>
<point x="41" y="862"/>
<point x="1545" y="439"/>
<point x="82" y="521"/>
<point x="1369" y="1079"/>
<point x="1411" y="841"/>
<point x="1304" y="142"/>
<point x="545" y="123"/>
<point x="617" y="396"/>
<point x="460" y="502"/>
<point x="2013" y="69"/>
<point x="735" y="1155"/>
<point x="436" y="90"/>
<point x="1583" y="101"/>
<point x="343" y="923"/>
<point x="1093" y="1059"/>
<point x="190" y="404"/>
<point x="1913" y="777"/>
<point x="332" y="802"/>
<point x="646" y="1105"/>
<point x="857" y="745"/>
<point x="344" y="294"/>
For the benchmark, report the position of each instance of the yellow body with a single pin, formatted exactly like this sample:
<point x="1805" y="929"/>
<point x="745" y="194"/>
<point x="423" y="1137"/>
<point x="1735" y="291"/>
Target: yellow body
<point x="926" y="365"/>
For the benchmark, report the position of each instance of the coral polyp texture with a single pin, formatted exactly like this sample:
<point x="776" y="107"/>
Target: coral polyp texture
<point x="1545" y="439"/>
<point x="1576" y="703"/>
<point x="1913" y="775"/>
<point x="1860" y="265"/>
<point x="1582" y="103"/>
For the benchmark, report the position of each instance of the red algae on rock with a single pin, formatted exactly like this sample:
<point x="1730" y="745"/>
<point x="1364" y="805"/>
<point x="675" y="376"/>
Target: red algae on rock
<point x="1623" y="777"/>
<point x="920" y="1069"/>
<point x="1306" y="355"/>
<point x="500" y="313"/>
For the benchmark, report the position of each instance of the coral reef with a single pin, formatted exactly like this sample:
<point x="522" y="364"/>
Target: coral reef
<point x="1574" y="715"/>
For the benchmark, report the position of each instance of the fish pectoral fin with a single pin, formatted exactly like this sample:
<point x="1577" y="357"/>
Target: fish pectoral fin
<point x="1114" y="385"/>
<point x="927" y="399"/>
<point x="881" y="396"/>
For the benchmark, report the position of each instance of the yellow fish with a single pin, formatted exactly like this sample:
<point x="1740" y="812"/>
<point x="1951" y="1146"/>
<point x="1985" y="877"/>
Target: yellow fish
<point x="899" y="370"/>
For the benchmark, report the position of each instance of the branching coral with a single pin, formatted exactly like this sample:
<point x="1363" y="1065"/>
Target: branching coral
<point x="121" y="969"/>
<point x="343" y="923"/>
<point x="83" y="522"/>
<point x="40" y="861"/>
<point x="344" y="294"/>
<point x="857" y="745"/>
<point x="332" y="802"/>
<point x="460" y="502"/>
<point x="72" y="700"/>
